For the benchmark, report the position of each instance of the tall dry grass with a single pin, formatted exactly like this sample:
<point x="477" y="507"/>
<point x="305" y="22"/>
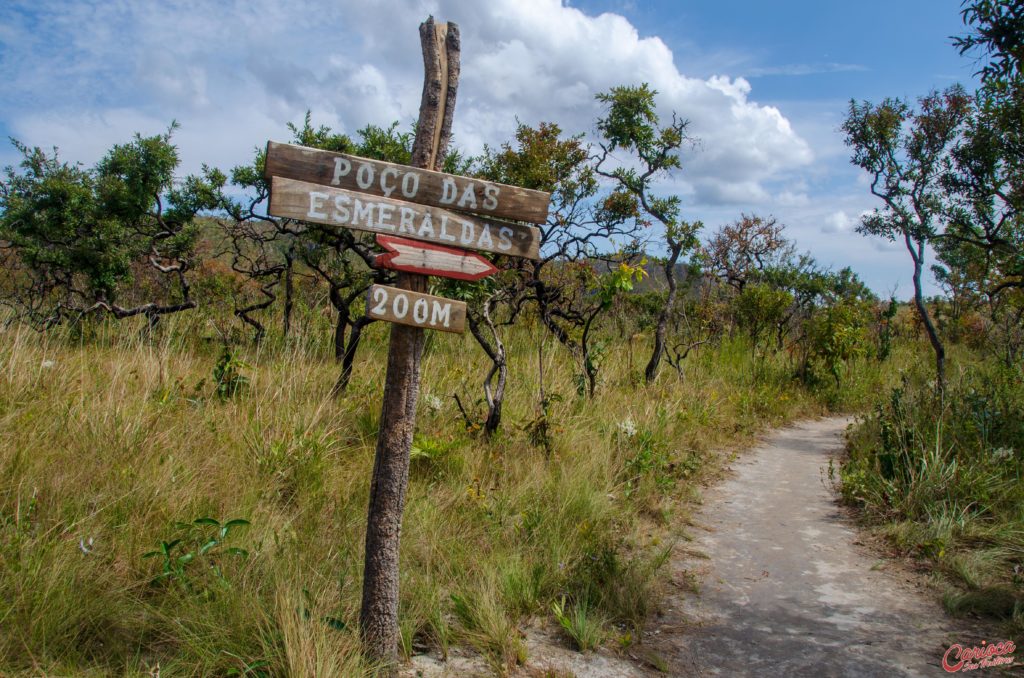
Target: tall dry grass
<point x="113" y="443"/>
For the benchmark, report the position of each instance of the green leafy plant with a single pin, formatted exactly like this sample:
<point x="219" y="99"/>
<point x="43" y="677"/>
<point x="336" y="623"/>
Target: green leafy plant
<point x="649" y="459"/>
<point x="228" y="379"/>
<point x="203" y="540"/>
<point x="580" y="622"/>
<point x="539" y="430"/>
<point x="435" y="455"/>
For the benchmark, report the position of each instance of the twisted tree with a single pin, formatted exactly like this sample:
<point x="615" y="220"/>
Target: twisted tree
<point x="77" y="242"/>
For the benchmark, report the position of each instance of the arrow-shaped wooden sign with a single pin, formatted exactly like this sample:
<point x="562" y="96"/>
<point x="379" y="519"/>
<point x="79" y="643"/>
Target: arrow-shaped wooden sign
<point x="430" y="259"/>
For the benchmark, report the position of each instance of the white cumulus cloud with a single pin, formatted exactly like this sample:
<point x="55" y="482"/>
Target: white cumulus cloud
<point x="84" y="76"/>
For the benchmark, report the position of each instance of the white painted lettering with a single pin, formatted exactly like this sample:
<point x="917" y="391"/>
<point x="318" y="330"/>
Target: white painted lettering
<point x="444" y="234"/>
<point x="468" y="233"/>
<point x="380" y="298"/>
<point x="426" y="226"/>
<point x="491" y="197"/>
<point x="405" y="224"/>
<point x="364" y="176"/>
<point x="384" y="186"/>
<point x="341" y="211"/>
<point x="385" y="216"/>
<point x="449" y="191"/>
<point x="505" y="238"/>
<point x="420" y="311"/>
<point x="341" y="168"/>
<point x="400" y="306"/>
<point x="316" y="200"/>
<point x="363" y="210"/>
<point x="485" y="237"/>
<point x="410" y="184"/>
<point x="442" y="314"/>
<point x="468" y="198"/>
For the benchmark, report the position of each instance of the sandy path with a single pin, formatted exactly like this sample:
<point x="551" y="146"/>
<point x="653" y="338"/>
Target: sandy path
<point x="787" y="590"/>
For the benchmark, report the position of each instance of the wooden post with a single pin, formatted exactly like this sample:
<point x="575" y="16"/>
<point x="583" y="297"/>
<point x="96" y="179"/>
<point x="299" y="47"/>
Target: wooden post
<point x="379" y="614"/>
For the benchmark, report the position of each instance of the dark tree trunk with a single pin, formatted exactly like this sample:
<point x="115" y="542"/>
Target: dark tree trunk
<point x="349" y="358"/>
<point x="493" y="392"/>
<point x="590" y="370"/>
<point x="341" y="324"/>
<point x="378" y="617"/>
<point x="288" y="291"/>
<point x="651" y="372"/>
<point x="495" y="401"/>
<point x="257" y="327"/>
<point x="245" y="314"/>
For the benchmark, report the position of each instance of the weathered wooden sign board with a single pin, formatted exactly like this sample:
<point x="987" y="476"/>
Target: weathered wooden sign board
<point x="428" y="259"/>
<point x="304" y="201"/>
<point x="442" y="215"/>
<point x="418" y="310"/>
<point x="387" y="180"/>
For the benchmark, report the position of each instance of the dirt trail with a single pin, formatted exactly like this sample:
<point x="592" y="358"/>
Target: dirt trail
<point x="787" y="589"/>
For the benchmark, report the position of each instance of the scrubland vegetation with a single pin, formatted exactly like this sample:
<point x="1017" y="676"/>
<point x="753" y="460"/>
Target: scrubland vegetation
<point x="116" y="446"/>
<point x="936" y="464"/>
<point x="189" y="392"/>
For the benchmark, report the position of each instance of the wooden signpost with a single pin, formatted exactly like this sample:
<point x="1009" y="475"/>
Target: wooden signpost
<point x="415" y="309"/>
<point x="340" y="207"/>
<point x="416" y="257"/>
<point x="425" y="220"/>
<point x="388" y="180"/>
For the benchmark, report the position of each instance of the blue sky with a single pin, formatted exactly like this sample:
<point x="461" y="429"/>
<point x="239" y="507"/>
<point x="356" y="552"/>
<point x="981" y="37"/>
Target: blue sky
<point x="765" y="85"/>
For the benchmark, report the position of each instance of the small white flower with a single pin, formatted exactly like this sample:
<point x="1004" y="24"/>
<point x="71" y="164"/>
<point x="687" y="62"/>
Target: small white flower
<point x="85" y="546"/>
<point x="47" y="364"/>
<point x="1003" y="453"/>
<point x="432" y="402"/>
<point x="627" y="427"/>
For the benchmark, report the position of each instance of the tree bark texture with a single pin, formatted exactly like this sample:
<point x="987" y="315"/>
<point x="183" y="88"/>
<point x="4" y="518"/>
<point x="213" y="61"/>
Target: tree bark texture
<point x="917" y="254"/>
<point x="289" y="291"/>
<point x="379" y="613"/>
<point x="651" y="371"/>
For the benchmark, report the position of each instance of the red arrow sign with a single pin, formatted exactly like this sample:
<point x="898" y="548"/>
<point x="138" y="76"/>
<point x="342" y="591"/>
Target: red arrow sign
<point x="413" y="256"/>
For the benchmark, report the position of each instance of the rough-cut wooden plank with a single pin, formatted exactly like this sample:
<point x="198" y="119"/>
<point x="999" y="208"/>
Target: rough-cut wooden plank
<point x="339" y="207"/>
<point x="424" y="258"/>
<point x="406" y="307"/>
<point x="388" y="180"/>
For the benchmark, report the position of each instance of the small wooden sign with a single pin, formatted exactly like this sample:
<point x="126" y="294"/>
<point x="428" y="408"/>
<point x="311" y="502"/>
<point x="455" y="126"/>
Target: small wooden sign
<point x="385" y="179"/>
<point x="429" y="259"/>
<point x="418" y="310"/>
<point x="302" y="200"/>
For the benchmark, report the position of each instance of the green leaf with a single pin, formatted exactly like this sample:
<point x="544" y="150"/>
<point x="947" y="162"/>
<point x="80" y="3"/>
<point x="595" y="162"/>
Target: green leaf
<point x="237" y="522"/>
<point x="206" y="521"/>
<point x="235" y="551"/>
<point x="207" y="546"/>
<point x="335" y="623"/>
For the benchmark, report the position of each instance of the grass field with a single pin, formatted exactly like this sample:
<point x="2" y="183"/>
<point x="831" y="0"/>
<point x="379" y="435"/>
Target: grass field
<point x="114" y="446"/>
